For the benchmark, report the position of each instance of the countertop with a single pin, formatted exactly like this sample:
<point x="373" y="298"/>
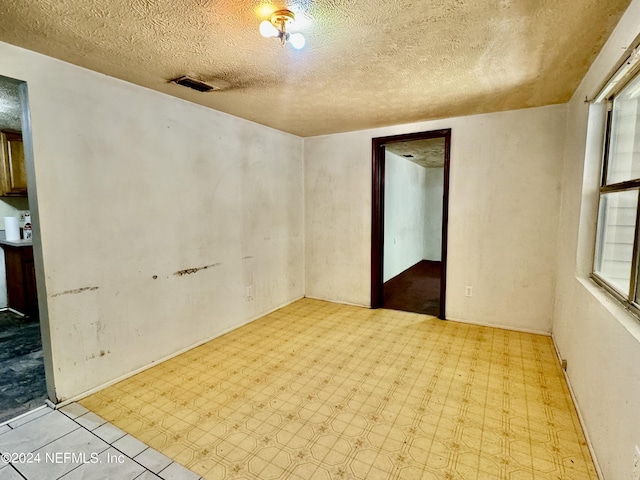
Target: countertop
<point x="16" y="243"/>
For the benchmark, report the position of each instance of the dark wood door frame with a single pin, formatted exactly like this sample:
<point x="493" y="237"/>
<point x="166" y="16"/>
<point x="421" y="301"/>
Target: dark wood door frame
<point x="377" y="220"/>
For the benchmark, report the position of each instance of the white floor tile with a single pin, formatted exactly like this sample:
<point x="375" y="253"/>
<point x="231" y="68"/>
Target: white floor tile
<point x="63" y="455"/>
<point x="74" y="410"/>
<point x="9" y="473"/>
<point x="175" y="471"/>
<point x="62" y="449"/>
<point x="153" y="460"/>
<point x="130" y="446"/>
<point x="30" y="416"/>
<point x="110" y="467"/>
<point x="90" y="421"/>
<point x="147" y="475"/>
<point x="109" y="433"/>
<point x="37" y="433"/>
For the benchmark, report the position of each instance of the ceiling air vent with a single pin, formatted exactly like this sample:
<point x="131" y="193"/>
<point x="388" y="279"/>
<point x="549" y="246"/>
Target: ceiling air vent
<point x="195" y="84"/>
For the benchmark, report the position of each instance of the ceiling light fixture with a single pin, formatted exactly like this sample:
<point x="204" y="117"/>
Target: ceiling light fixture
<point x="277" y="27"/>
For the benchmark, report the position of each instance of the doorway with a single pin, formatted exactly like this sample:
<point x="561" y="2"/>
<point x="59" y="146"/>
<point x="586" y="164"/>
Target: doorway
<point x="409" y="222"/>
<point x="22" y="361"/>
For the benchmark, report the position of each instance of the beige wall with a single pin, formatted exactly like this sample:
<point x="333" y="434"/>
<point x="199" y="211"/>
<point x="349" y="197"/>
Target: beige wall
<point x="599" y="340"/>
<point x="133" y="184"/>
<point x="503" y="215"/>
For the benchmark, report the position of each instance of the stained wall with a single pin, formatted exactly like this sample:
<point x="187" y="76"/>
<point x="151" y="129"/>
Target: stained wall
<point x="154" y="216"/>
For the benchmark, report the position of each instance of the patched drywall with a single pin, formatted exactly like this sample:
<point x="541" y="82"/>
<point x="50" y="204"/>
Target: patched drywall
<point x="503" y="213"/>
<point x="597" y="337"/>
<point x="134" y="186"/>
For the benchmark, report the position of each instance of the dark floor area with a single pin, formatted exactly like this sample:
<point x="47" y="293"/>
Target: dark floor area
<point x="417" y="289"/>
<point x="22" y="385"/>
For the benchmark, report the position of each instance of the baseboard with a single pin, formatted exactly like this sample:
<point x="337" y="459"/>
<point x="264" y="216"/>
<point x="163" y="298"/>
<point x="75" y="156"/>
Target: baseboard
<point x="9" y="309"/>
<point x="82" y="395"/>
<point x="337" y="301"/>
<point x="503" y="327"/>
<point x="580" y="418"/>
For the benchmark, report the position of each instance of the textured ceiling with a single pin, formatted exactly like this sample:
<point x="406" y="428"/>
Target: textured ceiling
<point x="10" y="108"/>
<point x="367" y="63"/>
<point x="428" y="153"/>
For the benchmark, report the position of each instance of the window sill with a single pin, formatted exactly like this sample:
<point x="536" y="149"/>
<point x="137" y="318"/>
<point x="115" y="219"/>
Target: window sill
<point x="627" y="318"/>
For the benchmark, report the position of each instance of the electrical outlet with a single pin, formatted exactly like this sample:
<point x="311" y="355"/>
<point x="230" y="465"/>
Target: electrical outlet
<point x="22" y="214"/>
<point x="468" y="291"/>
<point x="249" y="293"/>
<point x="636" y="464"/>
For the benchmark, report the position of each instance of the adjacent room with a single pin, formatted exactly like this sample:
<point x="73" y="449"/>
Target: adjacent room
<point x="211" y="243"/>
<point x="21" y="359"/>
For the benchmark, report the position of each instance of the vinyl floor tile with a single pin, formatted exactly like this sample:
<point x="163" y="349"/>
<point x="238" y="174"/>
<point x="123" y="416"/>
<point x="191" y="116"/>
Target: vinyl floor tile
<point x="324" y="391"/>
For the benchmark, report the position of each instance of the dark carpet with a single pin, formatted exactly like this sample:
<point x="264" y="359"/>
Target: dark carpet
<point x="22" y="384"/>
<point x="417" y="289"/>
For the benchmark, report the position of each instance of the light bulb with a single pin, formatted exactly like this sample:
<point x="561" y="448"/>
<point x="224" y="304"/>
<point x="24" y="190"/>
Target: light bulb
<point x="267" y="29"/>
<point x="297" y="40"/>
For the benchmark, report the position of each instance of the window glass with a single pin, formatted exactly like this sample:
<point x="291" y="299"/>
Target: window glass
<point x="624" y="154"/>
<point x="616" y="231"/>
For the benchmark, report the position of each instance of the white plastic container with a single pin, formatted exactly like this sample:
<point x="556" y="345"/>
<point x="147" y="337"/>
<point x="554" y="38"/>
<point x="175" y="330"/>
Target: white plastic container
<point x="11" y="229"/>
<point x="27" y="231"/>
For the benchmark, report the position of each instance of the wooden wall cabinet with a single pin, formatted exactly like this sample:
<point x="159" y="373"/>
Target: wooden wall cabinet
<point x="13" y="176"/>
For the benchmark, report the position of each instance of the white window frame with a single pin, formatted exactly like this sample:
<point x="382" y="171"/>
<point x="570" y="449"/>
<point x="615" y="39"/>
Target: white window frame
<point x="628" y="71"/>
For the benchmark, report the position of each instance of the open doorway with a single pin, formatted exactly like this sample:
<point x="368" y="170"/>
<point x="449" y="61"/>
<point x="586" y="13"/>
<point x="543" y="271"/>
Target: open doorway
<point x="409" y="222"/>
<point x="22" y="371"/>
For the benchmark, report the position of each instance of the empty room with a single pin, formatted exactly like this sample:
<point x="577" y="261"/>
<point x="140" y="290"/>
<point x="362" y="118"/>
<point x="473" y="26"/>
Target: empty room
<point x="320" y="239"/>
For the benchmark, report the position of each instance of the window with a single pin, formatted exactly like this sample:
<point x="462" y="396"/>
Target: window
<point x="616" y="260"/>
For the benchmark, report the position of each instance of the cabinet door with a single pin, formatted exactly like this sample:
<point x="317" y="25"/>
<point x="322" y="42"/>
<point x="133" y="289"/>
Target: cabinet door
<point x="15" y="278"/>
<point x="14" y="176"/>
<point x="22" y="295"/>
<point x="30" y="292"/>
